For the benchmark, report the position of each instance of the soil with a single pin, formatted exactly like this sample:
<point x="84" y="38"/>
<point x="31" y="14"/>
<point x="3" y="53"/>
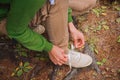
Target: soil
<point x="102" y="40"/>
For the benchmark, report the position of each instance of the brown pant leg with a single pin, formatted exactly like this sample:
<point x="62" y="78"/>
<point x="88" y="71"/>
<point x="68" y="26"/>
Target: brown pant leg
<point x="57" y="24"/>
<point x="3" y="27"/>
<point x="81" y="6"/>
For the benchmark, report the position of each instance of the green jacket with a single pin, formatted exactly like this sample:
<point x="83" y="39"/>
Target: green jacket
<point x="18" y="17"/>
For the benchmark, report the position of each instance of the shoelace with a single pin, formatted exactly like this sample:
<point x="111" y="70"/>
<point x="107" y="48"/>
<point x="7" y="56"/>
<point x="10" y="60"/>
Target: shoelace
<point x="72" y="48"/>
<point x="52" y="2"/>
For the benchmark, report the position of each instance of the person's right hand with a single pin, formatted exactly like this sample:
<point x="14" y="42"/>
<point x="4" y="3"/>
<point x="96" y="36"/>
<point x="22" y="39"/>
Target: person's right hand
<point x="57" y="56"/>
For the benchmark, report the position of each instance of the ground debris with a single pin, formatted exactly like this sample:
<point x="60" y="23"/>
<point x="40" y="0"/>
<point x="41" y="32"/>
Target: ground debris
<point x="73" y="73"/>
<point x="54" y="72"/>
<point x="31" y="74"/>
<point x="76" y="71"/>
<point x="88" y="51"/>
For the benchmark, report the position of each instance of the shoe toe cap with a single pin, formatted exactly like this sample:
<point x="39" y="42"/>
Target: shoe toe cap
<point x="84" y="61"/>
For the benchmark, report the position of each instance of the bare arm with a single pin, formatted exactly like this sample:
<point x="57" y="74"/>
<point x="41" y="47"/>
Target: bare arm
<point x="77" y="36"/>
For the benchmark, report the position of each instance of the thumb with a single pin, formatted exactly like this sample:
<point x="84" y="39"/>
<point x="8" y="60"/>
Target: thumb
<point x="75" y="43"/>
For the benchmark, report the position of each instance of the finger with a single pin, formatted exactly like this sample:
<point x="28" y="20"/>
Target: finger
<point x="83" y="41"/>
<point x="59" y="60"/>
<point x="80" y="43"/>
<point x="75" y="43"/>
<point x="65" y="57"/>
<point x="59" y="57"/>
<point x="53" y="60"/>
<point x="62" y="61"/>
<point x="59" y="63"/>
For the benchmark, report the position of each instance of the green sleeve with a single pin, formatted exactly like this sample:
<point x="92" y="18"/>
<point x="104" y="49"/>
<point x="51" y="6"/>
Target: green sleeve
<point x="3" y="13"/>
<point x="21" y="13"/>
<point x="70" y="15"/>
<point x="3" y="9"/>
<point x="5" y="1"/>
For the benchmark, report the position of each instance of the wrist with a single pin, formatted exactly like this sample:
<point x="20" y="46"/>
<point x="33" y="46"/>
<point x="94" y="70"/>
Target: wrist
<point x="72" y="28"/>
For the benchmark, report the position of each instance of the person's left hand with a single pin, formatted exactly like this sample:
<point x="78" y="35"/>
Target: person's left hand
<point x="77" y="36"/>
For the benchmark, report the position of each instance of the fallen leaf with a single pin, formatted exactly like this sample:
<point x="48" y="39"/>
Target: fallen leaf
<point x="106" y="27"/>
<point x="99" y="27"/>
<point x="96" y="51"/>
<point x="103" y="7"/>
<point x="21" y="64"/>
<point x="19" y="73"/>
<point x="104" y="14"/>
<point x="118" y="20"/>
<point x="13" y="74"/>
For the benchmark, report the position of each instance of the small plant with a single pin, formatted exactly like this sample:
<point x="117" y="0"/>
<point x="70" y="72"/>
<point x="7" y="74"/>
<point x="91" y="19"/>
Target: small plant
<point x="81" y="18"/>
<point x="41" y="57"/>
<point x="106" y="27"/>
<point x="92" y="45"/>
<point x="102" y="62"/>
<point x="118" y="20"/>
<point x="118" y="39"/>
<point x="21" y="51"/>
<point x="117" y="8"/>
<point x="93" y="48"/>
<point x="100" y="11"/>
<point x="118" y="70"/>
<point x="21" y="69"/>
<point x="102" y="25"/>
<point x="86" y="29"/>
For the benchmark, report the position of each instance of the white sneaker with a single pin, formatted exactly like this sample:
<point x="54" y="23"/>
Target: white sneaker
<point x="78" y="60"/>
<point x="39" y="29"/>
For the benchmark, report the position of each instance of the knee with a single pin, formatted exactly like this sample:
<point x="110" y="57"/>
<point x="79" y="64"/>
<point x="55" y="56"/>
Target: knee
<point x="93" y="3"/>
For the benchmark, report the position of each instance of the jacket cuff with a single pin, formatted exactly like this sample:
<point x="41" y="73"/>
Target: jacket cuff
<point x="48" y="47"/>
<point x="70" y="15"/>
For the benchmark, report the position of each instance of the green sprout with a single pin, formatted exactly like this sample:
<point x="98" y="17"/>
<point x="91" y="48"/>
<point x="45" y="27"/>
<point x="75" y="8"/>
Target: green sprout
<point x="102" y="62"/>
<point x="21" y="51"/>
<point x="100" y="11"/>
<point x="23" y="67"/>
<point x="118" y="39"/>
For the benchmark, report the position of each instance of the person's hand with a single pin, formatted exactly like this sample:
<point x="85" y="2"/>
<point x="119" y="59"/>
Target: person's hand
<point x="77" y="36"/>
<point x="57" y="56"/>
<point x="78" y="39"/>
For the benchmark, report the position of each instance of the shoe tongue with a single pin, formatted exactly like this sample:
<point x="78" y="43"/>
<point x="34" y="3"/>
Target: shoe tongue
<point x="75" y="56"/>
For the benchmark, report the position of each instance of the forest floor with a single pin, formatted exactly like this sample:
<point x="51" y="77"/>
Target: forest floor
<point x="101" y="27"/>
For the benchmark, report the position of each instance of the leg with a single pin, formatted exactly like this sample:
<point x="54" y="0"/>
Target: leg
<point x="57" y="28"/>
<point x="57" y="25"/>
<point x="81" y="6"/>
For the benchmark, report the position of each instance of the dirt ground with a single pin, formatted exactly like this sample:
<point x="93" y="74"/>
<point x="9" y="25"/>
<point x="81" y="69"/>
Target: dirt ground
<point x="101" y="29"/>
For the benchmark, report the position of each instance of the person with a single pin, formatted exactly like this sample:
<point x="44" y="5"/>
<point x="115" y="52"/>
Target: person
<point x="15" y="15"/>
